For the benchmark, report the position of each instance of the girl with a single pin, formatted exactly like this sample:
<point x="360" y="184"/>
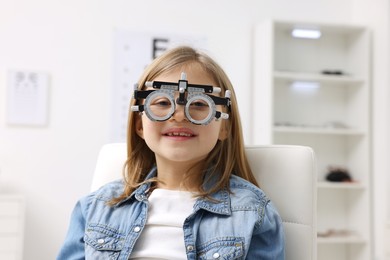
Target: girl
<point x="188" y="191"/>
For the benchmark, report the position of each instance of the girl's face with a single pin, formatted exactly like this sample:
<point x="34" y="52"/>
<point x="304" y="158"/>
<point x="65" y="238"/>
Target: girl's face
<point x="176" y="139"/>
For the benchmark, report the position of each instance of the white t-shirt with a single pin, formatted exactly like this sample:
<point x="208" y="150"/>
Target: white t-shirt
<point x="163" y="237"/>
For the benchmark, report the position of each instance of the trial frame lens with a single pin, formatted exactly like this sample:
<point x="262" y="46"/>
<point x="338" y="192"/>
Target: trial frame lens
<point x="159" y="105"/>
<point x="200" y="109"/>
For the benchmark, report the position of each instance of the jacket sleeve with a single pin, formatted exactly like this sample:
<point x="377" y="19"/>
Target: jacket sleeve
<point x="73" y="246"/>
<point x="268" y="236"/>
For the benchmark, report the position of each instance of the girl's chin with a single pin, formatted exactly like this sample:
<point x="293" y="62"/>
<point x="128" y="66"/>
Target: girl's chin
<point x="182" y="157"/>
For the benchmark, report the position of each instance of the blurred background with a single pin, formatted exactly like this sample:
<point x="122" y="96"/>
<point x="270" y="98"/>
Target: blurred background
<point x="71" y="46"/>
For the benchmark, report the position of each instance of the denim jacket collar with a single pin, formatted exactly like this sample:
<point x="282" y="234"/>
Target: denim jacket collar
<point x="221" y="205"/>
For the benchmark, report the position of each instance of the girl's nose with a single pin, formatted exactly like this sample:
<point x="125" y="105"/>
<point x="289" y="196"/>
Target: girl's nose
<point x="179" y="114"/>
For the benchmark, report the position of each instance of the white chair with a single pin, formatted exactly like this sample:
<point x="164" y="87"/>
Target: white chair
<point x="286" y="173"/>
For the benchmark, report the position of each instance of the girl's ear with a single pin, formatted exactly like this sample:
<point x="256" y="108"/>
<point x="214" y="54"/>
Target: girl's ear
<point x="138" y="126"/>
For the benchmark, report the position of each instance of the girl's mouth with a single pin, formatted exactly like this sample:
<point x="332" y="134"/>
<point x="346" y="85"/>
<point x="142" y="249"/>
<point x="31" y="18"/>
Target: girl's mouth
<point x="179" y="134"/>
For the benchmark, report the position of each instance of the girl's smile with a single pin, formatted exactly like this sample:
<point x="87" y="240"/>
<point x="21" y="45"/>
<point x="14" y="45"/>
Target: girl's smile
<point x="179" y="133"/>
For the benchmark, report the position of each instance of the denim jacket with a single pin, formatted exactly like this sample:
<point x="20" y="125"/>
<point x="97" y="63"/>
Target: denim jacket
<point x="241" y="224"/>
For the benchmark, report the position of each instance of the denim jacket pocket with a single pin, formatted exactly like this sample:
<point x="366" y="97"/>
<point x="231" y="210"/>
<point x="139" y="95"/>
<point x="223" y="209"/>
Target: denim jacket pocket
<point x="222" y="248"/>
<point x="103" y="242"/>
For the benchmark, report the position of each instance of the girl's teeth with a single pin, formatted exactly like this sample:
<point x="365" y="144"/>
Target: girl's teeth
<point x="179" y="134"/>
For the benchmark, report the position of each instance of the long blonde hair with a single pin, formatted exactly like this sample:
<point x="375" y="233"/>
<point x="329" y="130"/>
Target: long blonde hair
<point x="227" y="157"/>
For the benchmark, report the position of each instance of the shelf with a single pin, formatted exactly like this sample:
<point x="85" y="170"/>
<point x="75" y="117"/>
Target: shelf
<point x="340" y="240"/>
<point x="340" y="185"/>
<point x="318" y="77"/>
<point x="333" y="28"/>
<point x="317" y="130"/>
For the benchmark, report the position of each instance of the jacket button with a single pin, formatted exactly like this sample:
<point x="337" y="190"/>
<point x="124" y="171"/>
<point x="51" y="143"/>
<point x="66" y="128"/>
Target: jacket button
<point x="137" y="229"/>
<point x="100" y="241"/>
<point x="190" y="248"/>
<point x="216" y="255"/>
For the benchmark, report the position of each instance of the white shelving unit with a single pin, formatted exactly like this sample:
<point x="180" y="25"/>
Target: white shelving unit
<point x="316" y="92"/>
<point x="11" y="226"/>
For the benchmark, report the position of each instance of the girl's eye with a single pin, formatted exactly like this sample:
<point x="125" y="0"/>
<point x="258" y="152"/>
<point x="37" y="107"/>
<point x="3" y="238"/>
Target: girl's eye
<point x="199" y="104"/>
<point x="161" y="102"/>
<point x="164" y="103"/>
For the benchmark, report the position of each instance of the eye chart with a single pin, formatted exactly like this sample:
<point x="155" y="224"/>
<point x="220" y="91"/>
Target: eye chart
<point x="133" y="51"/>
<point x="27" y="98"/>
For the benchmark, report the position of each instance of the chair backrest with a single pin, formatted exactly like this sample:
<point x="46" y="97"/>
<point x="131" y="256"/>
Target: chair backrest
<point x="286" y="173"/>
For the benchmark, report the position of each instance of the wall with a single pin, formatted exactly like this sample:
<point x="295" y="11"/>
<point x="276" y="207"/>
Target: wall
<point x="72" y="41"/>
